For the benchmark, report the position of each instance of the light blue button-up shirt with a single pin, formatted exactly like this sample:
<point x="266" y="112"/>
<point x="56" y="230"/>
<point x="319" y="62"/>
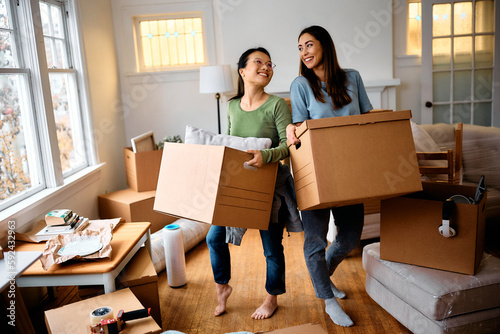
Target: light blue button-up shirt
<point x="305" y="106"/>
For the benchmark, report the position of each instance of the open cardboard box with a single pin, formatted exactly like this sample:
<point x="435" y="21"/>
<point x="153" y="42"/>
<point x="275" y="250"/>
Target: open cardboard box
<point x="142" y="168"/>
<point x="409" y="229"/>
<point x="210" y="184"/>
<point x="348" y="160"/>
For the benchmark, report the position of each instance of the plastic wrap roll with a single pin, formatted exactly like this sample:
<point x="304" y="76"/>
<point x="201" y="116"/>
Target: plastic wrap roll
<point x="174" y="255"/>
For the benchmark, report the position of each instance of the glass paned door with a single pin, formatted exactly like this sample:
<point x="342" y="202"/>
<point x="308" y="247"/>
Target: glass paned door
<point x="458" y="62"/>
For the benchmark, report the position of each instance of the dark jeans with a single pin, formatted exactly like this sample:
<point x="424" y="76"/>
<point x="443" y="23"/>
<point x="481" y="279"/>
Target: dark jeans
<point x="273" y="251"/>
<point x="321" y="265"/>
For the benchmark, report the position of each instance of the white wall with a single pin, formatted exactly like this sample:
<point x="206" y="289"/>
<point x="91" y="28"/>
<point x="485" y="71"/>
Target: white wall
<point x="167" y="102"/>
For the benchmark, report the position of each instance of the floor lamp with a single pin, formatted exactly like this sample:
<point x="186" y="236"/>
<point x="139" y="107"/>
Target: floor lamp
<point x="216" y="79"/>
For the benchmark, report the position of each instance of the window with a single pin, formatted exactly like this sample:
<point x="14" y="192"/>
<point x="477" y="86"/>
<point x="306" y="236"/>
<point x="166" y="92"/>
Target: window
<point x="168" y="43"/>
<point x="414" y="31"/>
<point x="41" y="126"/>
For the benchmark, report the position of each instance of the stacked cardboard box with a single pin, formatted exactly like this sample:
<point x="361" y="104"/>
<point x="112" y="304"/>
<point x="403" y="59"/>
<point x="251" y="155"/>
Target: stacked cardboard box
<point x="136" y="202"/>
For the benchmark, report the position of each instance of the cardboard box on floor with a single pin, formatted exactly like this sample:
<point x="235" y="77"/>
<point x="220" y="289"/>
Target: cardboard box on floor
<point x="139" y="275"/>
<point x="133" y="206"/>
<point x="307" y="328"/>
<point x="348" y="160"/>
<point x="210" y="184"/>
<point x="142" y="168"/>
<point x="75" y="318"/>
<point x="409" y="229"/>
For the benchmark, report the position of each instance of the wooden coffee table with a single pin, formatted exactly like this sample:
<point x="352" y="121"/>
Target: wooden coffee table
<point x="127" y="239"/>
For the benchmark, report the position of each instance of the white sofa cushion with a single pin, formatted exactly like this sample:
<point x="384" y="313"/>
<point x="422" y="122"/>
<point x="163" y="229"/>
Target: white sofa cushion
<point x="438" y="294"/>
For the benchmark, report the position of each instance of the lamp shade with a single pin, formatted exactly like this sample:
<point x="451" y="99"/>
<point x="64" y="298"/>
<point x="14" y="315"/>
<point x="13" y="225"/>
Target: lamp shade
<point x="216" y="79"/>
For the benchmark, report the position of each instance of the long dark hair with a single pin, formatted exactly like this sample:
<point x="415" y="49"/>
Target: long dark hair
<point x="242" y="63"/>
<point x="335" y="76"/>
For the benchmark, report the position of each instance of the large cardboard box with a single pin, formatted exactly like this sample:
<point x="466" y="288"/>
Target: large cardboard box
<point x="142" y="168"/>
<point x="409" y="229"/>
<point x="348" y="160"/>
<point x="210" y="184"/>
<point x="133" y="206"/>
<point x="74" y="318"/>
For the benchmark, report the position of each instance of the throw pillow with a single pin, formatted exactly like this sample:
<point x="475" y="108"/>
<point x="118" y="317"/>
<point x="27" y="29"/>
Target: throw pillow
<point x="203" y="137"/>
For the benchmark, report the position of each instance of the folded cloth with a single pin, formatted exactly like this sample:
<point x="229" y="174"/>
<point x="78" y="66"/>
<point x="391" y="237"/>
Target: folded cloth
<point x="284" y="189"/>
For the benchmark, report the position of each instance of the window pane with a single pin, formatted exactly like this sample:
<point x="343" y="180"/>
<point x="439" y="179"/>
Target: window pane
<point x="7" y="59"/>
<point x="462" y="52"/>
<point x="49" y="52"/>
<point x="484" y="50"/>
<point x="414" y="32"/>
<point x="441" y="23"/>
<point x="45" y="16"/>
<point x="4" y="15"/>
<point x="462" y="85"/>
<point x="482" y="114"/>
<point x="68" y="122"/>
<point x="441" y="86"/>
<point x="462" y="113"/>
<point x="57" y="25"/>
<point x="485" y="16"/>
<point x="441" y="114"/>
<point x="19" y="171"/>
<point x="483" y="84"/>
<point x="441" y="53"/>
<point x="462" y="23"/>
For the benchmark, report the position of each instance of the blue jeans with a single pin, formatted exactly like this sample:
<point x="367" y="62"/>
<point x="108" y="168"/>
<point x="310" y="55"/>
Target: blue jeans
<point x="321" y="265"/>
<point x="273" y="251"/>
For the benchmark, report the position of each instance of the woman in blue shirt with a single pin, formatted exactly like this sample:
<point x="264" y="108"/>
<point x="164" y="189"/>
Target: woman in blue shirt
<point x="322" y="90"/>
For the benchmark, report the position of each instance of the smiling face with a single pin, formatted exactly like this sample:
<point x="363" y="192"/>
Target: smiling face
<point x="258" y="70"/>
<point x="310" y="51"/>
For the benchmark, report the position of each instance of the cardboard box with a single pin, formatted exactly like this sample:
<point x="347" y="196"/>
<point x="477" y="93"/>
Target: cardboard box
<point x="409" y="229"/>
<point x="74" y="318"/>
<point x="139" y="275"/>
<point x="210" y="184"/>
<point x="307" y="328"/>
<point x="133" y="206"/>
<point x="348" y="160"/>
<point x="142" y="168"/>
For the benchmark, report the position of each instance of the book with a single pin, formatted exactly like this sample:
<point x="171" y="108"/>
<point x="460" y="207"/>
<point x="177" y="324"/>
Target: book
<point x="69" y="225"/>
<point x="58" y="217"/>
<point x="46" y="233"/>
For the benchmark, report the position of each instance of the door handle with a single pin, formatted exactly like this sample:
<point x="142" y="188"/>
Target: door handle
<point x="428" y="104"/>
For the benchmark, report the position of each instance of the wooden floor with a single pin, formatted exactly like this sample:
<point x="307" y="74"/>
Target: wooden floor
<point x="190" y="309"/>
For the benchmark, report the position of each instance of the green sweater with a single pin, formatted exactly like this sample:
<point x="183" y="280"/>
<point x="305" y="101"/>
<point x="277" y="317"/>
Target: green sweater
<point x="267" y="121"/>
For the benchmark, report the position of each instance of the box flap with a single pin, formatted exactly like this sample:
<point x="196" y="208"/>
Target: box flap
<point x="368" y="118"/>
<point x="138" y="271"/>
<point x="313" y="328"/>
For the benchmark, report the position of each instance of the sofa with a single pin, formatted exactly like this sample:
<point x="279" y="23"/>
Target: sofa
<point x="480" y="156"/>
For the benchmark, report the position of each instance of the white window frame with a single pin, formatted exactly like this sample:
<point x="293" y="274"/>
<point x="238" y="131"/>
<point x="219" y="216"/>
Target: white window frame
<point x="57" y="187"/>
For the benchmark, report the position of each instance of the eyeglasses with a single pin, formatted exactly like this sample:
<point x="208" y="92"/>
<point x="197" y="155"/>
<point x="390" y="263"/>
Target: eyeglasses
<point x="270" y="65"/>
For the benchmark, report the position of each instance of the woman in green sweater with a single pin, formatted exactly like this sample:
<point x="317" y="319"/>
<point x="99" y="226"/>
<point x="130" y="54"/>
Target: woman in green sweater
<point x="254" y="113"/>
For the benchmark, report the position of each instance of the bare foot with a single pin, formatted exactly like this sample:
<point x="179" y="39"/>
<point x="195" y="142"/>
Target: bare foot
<point x="223" y="293"/>
<point x="267" y="309"/>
